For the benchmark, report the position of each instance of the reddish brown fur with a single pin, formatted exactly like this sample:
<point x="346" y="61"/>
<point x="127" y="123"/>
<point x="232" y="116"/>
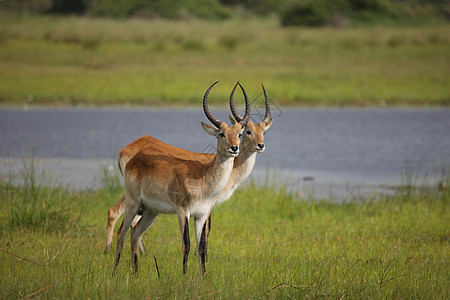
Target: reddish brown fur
<point x="156" y="145"/>
<point x="160" y="182"/>
<point x="150" y="144"/>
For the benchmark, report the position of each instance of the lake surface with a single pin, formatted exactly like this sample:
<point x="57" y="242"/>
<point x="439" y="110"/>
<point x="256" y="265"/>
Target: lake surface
<point x="325" y="152"/>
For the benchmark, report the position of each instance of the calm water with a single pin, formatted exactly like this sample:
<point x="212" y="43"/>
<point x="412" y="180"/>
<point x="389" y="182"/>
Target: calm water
<point x="315" y="149"/>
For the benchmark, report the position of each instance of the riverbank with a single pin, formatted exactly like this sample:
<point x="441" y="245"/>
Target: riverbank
<point x="79" y="175"/>
<point x="81" y="61"/>
<point x="323" y="153"/>
<point x="264" y="243"/>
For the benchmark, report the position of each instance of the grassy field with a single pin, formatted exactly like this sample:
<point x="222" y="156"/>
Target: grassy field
<point x="265" y="243"/>
<point x="82" y="61"/>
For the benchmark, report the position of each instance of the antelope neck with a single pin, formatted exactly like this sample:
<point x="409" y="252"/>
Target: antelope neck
<point x="221" y="168"/>
<point x="243" y="165"/>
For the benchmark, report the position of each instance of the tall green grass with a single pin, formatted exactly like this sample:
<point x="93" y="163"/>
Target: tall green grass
<point x="52" y="60"/>
<point x="32" y="201"/>
<point x="265" y="243"/>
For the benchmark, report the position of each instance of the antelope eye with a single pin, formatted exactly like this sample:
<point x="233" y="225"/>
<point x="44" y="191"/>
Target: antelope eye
<point x="264" y="133"/>
<point x="222" y="135"/>
<point x="240" y="135"/>
<point x="249" y="132"/>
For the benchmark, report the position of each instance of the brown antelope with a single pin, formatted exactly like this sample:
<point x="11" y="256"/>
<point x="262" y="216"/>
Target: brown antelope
<point x="252" y="143"/>
<point x="144" y="142"/>
<point x="157" y="182"/>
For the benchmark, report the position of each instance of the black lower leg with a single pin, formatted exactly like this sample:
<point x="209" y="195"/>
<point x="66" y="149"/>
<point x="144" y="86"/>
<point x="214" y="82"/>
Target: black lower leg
<point x="209" y="224"/>
<point x="207" y="236"/>
<point x="135" y="265"/>
<point x="116" y="262"/>
<point x="186" y="245"/>
<point x="202" y="249"/>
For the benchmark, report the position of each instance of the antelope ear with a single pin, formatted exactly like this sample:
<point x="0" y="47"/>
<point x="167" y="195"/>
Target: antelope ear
<point x="233" y="120"/>
<point x="211" y="130"/>
<point x="269" y="123"/>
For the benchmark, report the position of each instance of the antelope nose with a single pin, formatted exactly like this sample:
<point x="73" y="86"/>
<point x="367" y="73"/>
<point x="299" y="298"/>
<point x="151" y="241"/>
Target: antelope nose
<point x="261" y="145"/>
<point x="234" y="148"/>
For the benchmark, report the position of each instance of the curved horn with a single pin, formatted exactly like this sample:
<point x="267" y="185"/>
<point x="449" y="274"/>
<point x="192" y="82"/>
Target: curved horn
<point x="233" y="110"/>
<point x="267" y="116"/>
<point x="206" y="109"/>
<point x="244" y="121"/>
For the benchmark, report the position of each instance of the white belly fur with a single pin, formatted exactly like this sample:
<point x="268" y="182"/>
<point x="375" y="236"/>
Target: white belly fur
<point x="159" y="206"/>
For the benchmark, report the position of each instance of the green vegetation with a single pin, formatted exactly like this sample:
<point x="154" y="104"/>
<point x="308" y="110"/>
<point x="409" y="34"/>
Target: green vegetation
<point x="34" y="204"/>
<point x="363" y="12"/>
<point x="70" y="61"/>
<point x="265" y="243"/>
<point x="290" y="12"/>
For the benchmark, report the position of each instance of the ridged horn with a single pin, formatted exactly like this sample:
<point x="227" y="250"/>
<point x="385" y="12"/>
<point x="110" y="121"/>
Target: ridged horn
<point x="267" y="116"/>
<point x="233" y="110"/>
<point x="242" y="121"/>
<point x="208" y="114"/>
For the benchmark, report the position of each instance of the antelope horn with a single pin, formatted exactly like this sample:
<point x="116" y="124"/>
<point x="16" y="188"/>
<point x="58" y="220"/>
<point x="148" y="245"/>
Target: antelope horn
<point x="244" y="121"/>
<point x="206" y="109"/>
<point x="233" y="110"/>
<point x="267" y="116"/>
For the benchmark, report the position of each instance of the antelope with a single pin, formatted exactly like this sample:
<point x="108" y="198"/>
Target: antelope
<point x="151" y="143"/>
<point x="252" y="143"/>
<point x="157" y="182"/>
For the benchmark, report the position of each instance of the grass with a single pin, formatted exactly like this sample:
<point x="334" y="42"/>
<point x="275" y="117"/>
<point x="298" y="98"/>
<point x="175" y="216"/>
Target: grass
<point x="31" y="200"/>
<point x="70" y="61"/>
<point x="265" y="243"/>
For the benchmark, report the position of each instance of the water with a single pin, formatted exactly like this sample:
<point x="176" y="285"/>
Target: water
<point x="326" y="152"/>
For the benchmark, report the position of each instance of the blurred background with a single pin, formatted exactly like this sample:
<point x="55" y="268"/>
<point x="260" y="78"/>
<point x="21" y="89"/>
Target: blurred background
<point x="359" y="89"/>
<point x="306" y="52"/>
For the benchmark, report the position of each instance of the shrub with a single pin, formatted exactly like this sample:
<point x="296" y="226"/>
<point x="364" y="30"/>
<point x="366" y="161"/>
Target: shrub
<point x="206" y="9"/>
<point x="228" y="42"/>
<point x="371" y="5"/>
<point x="68" y="7"/>
<point x="170" y="9"/>
<point x="111" y="8"/>
<point x="323" y="12"/>
<point x="193" y="44"/>
<point x="313" y="13"/>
